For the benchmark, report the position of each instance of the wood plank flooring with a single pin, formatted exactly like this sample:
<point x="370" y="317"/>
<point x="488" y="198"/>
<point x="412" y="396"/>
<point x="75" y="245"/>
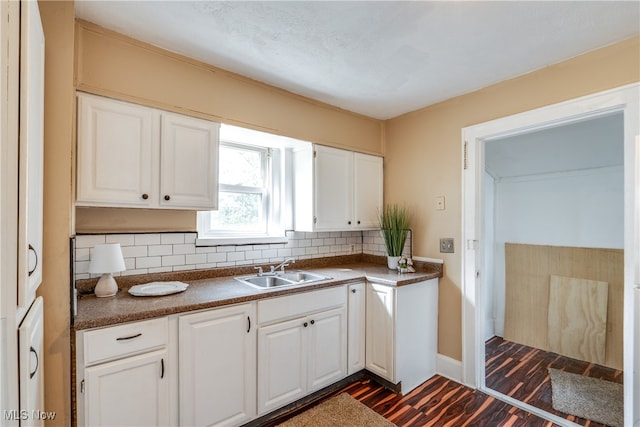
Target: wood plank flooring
<point x="437" y="402"/>
<point x="521" y="372"/>
<point x="512" y="369"/>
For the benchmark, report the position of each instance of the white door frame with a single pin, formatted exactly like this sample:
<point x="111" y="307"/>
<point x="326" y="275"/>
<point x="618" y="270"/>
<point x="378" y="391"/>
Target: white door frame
<point x="625" y="99"/>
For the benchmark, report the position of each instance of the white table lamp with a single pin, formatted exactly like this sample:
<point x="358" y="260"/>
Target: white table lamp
<point x="106" y="259"/>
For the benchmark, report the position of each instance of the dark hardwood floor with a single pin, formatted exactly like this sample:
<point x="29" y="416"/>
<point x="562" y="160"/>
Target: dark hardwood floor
<point x="441" y="402"/>
<point x="437" y="402"/>
<point x="512" y="369"/>
<point x="521" y="372"/>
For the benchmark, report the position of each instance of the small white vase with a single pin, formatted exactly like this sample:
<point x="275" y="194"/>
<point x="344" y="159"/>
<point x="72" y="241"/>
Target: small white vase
<point x="392" y="262"/>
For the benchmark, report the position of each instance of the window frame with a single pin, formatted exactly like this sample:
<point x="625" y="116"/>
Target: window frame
<point x="272" y="190"/>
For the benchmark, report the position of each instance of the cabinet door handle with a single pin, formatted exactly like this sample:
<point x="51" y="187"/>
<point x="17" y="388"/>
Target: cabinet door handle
<point x="145" y="196"/>
<point x="353" y="291"/>
<point x="31" y="374"/>
<point x="162" y="368"/>
<point x="36" y="264"/>
<point x="249" y="324"/>
<point x="130" y="337"/>
<point x="305" y="324"/>
<point x="167" y="197"/>
<point x="313" y="322"/>
<point x="349" y="222"/>
<point x="358" y="221"/>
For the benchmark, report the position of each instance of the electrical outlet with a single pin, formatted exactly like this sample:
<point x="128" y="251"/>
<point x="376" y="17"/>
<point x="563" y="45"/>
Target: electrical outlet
<point x="446" y="245"/>
<point x="440" y="203"/>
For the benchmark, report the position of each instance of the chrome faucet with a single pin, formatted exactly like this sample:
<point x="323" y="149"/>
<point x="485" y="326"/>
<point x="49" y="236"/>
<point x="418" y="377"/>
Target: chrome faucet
<point x="282" y="265"/>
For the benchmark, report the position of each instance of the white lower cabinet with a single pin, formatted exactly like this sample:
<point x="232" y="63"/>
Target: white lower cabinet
<point x="226" y="366"/>
<point x="356" y="333"/>
<point x="122" y="375"/>
<point x="401" y="332"/>
<point x="302" y="345"/>
<point x="132" y="391"/>
<point x="217" y="366"/>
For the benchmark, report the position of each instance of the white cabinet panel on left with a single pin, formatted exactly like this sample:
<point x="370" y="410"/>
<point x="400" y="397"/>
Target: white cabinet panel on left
<point x="31" y="118"/>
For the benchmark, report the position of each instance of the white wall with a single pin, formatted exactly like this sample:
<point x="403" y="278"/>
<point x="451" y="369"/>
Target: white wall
<point x="581" y="209"/>
<point x="490" y="328"/>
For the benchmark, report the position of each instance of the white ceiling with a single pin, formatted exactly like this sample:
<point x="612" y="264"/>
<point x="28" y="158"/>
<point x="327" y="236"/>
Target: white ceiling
<point x="377" y="58"/>
<point x="590" y="144"/>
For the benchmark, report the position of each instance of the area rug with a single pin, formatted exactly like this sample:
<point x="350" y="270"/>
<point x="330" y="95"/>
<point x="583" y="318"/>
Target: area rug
<point x="341" y="410"/>
<point x="590" y="398"/>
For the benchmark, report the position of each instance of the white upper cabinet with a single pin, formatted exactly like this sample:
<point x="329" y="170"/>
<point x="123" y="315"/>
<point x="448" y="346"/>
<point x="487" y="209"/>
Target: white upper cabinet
<point x="367" y="180"/>
<point x="189" y="162"/>
<point x="336" y="189"/>
<point x="117" y="157"/>
<point x="135" y="156"/>
<point x="333" y="188"/>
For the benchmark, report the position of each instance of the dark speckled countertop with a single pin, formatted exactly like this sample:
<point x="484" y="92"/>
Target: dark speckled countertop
<point x="219" y="291"/>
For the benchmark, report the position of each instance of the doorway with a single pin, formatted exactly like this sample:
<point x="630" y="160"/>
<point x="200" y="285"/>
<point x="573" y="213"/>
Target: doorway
<point x="621" y="103"/>
<point x="554" y="208"/>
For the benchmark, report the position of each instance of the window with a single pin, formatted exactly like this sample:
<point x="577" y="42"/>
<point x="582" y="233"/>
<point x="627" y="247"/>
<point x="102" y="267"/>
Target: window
<point x="244" y="191"/>
<point x="251" y="196"/>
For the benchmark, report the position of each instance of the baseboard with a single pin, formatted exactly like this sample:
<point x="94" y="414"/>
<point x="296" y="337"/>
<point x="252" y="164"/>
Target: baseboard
<point x="449" y="368"/>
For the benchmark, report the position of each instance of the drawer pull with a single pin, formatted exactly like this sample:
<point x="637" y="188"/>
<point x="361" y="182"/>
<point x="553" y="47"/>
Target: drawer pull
<point x="130" y="337"/>
<point x="31" y="374"/>
<point x="36" y="265"/>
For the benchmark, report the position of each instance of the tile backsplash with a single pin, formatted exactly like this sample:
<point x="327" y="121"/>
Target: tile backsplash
<point x="166" y="252"/>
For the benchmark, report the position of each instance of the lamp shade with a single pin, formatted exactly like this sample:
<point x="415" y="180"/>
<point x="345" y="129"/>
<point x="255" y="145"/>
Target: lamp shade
<point x="107" y="259"/>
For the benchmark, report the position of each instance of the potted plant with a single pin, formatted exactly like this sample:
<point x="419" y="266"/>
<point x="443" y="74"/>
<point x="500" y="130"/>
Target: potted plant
<point x="394" y="223"/>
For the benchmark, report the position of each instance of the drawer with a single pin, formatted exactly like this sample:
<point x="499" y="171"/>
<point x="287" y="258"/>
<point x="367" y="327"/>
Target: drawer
<point x="291" y="306"/>
<point x="119" y="341"/>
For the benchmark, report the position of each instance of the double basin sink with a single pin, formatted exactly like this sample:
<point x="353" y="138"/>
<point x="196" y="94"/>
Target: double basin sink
<point x="278" y="280"/>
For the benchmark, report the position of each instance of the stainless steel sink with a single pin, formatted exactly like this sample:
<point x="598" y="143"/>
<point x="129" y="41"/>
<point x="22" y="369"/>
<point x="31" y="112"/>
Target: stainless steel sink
<point x="301" y="276"/>
<point x="282" y="279"/>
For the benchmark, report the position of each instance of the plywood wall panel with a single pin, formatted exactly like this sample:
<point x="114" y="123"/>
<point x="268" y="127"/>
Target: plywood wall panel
<point x="528" y="273"/>
<point x="578" y="318"/>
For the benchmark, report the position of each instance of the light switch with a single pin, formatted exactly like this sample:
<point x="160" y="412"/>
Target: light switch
<point x="440" y="203"/>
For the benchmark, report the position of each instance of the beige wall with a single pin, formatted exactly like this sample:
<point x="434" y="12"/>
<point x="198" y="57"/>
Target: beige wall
<point x="57" y="20"/>
<point x="423" y="149"/>
<point x="424" y="155"/>
<point x="111" y="64"/>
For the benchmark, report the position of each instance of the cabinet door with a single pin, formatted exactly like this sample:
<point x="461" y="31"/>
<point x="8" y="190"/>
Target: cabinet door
<point x="333" y="188"/>
<point x="282" y="365"/>
<point x="356" y="328"/>
<point x="380" y="330"/>
<point x="189" y="163"/>
<point x="327" y="358"/>
<point x="133" y="391"/>
<point x="367" y="190"/>
<point x="217" y="367"/>
<point x="117" y="158"/>
<point x="31" y="153"/>
<point x="31" y="334"/>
